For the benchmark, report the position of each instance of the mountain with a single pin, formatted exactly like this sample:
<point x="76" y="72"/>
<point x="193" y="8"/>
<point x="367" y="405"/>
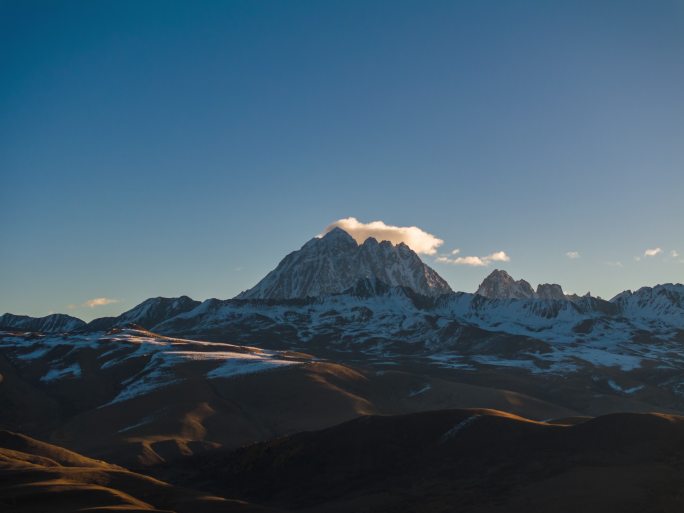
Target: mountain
<point x="335" y="262"/>
<point x="54" y="323"/>
<point x="662" y="304"/>
<point x="550" y="291"/>
<point x="147" y="314"/>
<point x="500" y="285"/>
<point x="336" y="332"/>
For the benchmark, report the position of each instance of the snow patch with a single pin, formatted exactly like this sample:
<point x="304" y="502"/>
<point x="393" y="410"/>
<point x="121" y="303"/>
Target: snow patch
<point x="73" y="371"/>
<point x="421" y="390"/>
<point x="451" y="433"/>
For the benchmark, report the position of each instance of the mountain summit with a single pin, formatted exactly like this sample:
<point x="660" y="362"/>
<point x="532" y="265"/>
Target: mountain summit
<point x="335" y="263"/>
<point x="500" y="285"/>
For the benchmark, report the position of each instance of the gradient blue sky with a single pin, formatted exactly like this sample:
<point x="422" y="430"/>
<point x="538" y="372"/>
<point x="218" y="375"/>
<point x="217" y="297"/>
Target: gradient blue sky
<point x="167" y="148"/>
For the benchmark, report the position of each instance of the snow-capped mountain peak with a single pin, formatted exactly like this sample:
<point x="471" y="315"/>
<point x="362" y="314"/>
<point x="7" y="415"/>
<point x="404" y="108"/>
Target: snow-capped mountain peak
<point x="550" y="291"/>
<point x="500" y="285"/>
<point x="335" y="262"/>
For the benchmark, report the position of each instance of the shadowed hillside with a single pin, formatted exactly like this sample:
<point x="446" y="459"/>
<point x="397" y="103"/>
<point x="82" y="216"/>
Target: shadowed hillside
<point x="459" y="460"/>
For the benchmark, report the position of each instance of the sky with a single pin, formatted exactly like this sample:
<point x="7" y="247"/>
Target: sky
<point x="166" y="148"/>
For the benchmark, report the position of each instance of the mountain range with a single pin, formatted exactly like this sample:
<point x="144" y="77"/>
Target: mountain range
<point x="340" y="330"/>
<point x="334" y="268"/>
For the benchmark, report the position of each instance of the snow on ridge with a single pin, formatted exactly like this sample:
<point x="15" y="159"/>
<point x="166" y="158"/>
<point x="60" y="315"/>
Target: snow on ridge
<point x="73" y="371"/>
<point x="167" y="354"/>
<point x="421" y="390"/>
<point x="451" y="433"/>
<point x="629" y="391"/>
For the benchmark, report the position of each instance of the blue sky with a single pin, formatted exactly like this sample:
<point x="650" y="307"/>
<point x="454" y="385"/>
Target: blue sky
<point x="167" y="148"/>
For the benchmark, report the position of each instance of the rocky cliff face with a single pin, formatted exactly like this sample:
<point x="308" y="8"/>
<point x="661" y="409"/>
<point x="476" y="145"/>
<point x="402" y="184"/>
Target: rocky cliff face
<point x="500" y="285"/>
<point x="550" y="291"/>
<point x="335" y="262"/>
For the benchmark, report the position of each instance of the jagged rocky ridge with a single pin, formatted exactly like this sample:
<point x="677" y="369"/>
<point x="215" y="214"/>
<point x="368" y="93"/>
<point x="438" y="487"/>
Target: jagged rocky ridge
<point x="372" y="313"/>
<point x="500" y="285"/>
<point x="335" y="262"/>
<point x="54" y="323"/>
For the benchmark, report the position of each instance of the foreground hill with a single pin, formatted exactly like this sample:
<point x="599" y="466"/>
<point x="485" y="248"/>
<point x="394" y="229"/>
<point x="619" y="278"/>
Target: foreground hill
<point x="476" y="461"/>
<point x="36" y="476"/>
<point x="458" y="460"/>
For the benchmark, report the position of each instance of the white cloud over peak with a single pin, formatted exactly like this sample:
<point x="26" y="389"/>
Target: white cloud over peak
<point x="476" y="261"/>
<point x="99" y="301"/>
<point x="652" y="252"/>
<point x="415" y="238"/>
<point x="572" y="255"/>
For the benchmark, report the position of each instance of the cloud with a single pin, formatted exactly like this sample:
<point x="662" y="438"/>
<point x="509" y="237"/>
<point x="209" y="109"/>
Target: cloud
<point x="615" y="264"/>
<point x="572" y="255"/>
<point x="674" y="253"/>
<point x="476" y="261"/>
<point x="418" y="240"/>
<point x="652" y="252"/>
<point x="99" y="301"/>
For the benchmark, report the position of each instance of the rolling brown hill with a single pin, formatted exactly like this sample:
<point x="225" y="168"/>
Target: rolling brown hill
<point x="138" y="399"/>
<point x="458" y="460"/>
<point x="40" y="477"/>
<point x="476" y="461"/>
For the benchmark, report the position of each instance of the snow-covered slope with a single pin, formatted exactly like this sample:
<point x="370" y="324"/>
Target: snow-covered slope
<point x="55" y="323"/>
<point x="335" y="262"/>
<point x="653" y="307"/>
<point x="384" y="321"/>
<point x="149" y="361"/>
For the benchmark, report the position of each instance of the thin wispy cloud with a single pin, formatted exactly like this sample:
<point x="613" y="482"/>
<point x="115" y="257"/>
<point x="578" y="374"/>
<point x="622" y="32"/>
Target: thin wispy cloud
<point x="674" y="253"/>
<point x="572" y="255"/>
<point x="475" y="261"/>
<point x="615" y="263"/>
<point x="415" y="238"/>
<point x="653" y="252"/>
<point x="99" y="301"/>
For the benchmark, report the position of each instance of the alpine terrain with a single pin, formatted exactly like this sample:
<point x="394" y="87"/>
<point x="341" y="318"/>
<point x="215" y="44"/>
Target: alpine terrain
<point x="350" y="378"/>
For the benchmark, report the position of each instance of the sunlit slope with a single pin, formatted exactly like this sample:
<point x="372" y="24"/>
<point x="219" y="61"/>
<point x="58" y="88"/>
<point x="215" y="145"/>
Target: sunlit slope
<point x="36" y="476"/>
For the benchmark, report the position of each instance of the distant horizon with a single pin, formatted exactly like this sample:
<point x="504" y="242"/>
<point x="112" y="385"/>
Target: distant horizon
<point x="112" y="304"/>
